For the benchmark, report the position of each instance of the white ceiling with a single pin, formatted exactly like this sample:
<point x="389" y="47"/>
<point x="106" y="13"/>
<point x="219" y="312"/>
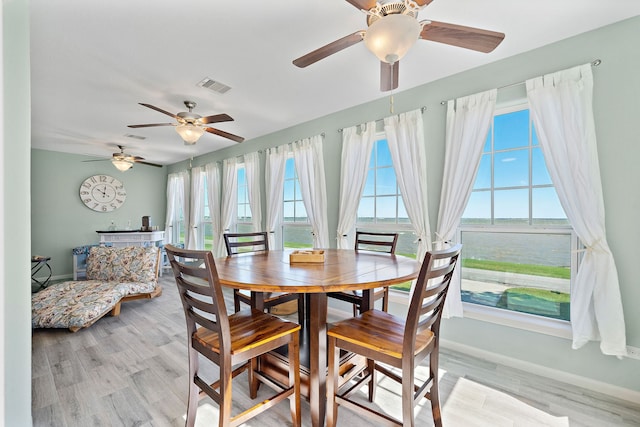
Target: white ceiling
<point x="92" y="62"/>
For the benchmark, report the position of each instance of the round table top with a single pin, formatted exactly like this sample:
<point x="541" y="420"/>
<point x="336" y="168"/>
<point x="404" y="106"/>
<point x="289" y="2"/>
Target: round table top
<point x="342" y="270"/>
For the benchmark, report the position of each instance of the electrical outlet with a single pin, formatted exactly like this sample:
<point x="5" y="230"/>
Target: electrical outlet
<point x="633" y="352"/>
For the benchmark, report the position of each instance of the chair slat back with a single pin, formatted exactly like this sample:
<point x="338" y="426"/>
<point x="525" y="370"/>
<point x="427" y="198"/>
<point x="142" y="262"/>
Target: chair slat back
<point x="200" y="292"/>
<point x="429" y="294"/>
<point x="372" y="241"/>
<point x="246" y="242"/>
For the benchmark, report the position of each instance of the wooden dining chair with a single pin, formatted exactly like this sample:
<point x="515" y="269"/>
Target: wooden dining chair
<point x="229" y="341"/>
<point x="396" y="342"/>
<point x="237" y="243"/>
<point x="370" y="241"/>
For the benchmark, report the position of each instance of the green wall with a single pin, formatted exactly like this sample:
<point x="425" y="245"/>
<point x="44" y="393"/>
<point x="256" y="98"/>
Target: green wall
<point x="616" y="105"/>
<point x="15" y="229"/>
<point x="59" y="219"/>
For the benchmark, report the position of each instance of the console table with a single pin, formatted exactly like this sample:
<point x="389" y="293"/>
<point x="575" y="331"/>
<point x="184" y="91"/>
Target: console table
<point x="131" y="238"/>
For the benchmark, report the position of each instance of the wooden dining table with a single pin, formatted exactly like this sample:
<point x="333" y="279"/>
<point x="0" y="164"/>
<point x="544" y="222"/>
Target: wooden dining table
<point x="342" y="270"/>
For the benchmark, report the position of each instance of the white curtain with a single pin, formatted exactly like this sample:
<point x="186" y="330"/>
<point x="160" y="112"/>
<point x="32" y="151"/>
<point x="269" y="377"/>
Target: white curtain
<point x="405" y="137"/>
<point x="356" y="154"/>
<point x="275" y="162"/>
<point x="229" y="199"/>
<point x="562" y="112"/>
<point x="468" y="122"/>
<point x="252" y="170"/>
<point x="175" y="203"/>
<point x="212" y="171"/>
<point x="186" y="205"/>
<point x="309" y="161"/>
<point x="195" y="208"/>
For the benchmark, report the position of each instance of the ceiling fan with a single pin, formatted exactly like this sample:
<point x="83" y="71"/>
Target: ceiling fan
<point x="123" y="161"/>
<point x="393" y="28"/>
<point x="191" y="126"/>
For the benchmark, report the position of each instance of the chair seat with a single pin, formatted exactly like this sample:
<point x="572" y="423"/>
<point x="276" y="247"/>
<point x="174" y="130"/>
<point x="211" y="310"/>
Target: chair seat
<point x="249" y="329"/>
<point x="378" y="331"/>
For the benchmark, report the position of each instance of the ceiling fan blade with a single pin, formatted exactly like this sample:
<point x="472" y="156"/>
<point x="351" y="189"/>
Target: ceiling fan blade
<point x="458" y="35"/>
<point x="151" y="125"/>
<point x="363" y="4"/>
<point x="389" y="76"/>
<point x="224" y="134"/>
<point x="96" y="160"/>
<point x="147" y="163"/>
<point x="216" y="119"/>
<point x="160" y="110"/>
<point x="329" y="49"/>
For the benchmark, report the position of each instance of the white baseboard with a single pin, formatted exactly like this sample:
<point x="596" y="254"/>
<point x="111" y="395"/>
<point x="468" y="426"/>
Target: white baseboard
<point x="632" y="396"/>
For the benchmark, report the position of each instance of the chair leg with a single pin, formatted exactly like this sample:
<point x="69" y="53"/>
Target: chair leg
<point x="408" y="390"/>
<point x="332" y="382"/>
<point x="301" y="308"/>
<point x="385" y="300"/>
<point x="194" y="390"/>
<point x="355" y="310"/>
<point x="294" y="380"/>
<point x="373" y="379"/>
<point x="253" y="380"/>
<point x="434" y="394"/>
<point x="226" y="378"/>
<point x="236" y="301"/>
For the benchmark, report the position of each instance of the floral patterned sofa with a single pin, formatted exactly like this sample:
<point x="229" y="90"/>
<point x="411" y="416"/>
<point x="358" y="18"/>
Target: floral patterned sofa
<point x="114" y="274"/>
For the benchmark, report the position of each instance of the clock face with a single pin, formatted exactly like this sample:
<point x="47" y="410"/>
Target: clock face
<point x="102" y="193"/>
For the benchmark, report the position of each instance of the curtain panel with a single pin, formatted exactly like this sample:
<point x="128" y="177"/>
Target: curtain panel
<point x="405" y="136"/>
<point x="174" y="199"/>
<point x="195" y="208"/>
<point x="229" y="199"/>
<point x="252" y="170"/>
<point x="212" y="172"/>
<point x="356" y="154"/>
<point x="309" y="161"/>
<point x="562" y="111"/>
<point x="275" y="162"/>
<point x="468" y="123"/>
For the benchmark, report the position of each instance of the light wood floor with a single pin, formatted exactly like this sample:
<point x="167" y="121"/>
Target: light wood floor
<point x="131" y="370"/>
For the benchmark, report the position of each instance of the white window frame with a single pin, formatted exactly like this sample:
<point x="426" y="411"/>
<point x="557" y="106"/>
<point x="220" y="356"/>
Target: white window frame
<point x="283" y="223"/>
<point x="530" y="322"/>
<point x="242" y="226"/>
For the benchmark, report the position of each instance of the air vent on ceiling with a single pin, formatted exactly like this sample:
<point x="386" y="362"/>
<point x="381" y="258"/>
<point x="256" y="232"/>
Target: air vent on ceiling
<point x="128" y="135"/>
<point x="213" y="85"/>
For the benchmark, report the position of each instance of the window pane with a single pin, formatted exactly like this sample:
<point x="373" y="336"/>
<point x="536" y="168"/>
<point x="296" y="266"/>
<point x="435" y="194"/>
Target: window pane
<point x="478" y="210"/>
<point x="546" y="207"/>
<point x="526" y="272"/>
<point x="297" y="192"/>
<point x="289" y="169"/>
<point x="297" y="237"/>
<point x="208" y="235"/>
<point x="511" y="207"/>
<point x="366" y="210"/>
<point x="386" y="209"/>
<point x="487" y="143"/>
<point x="301" y="213"/>
<point x="483" y="178"/>
<point x="539" y="172"/>
<point x="511" y="130"/>
<point x="383" y="153"/>
<point x="386" y="181"/>
<point x="403" y="216"/>
<point x="289" y="190"/>
<point x="511" y="169"/>
<point x="288" y="212"/>
<point x="242" y="178"/>
<point x="369" y="185"/>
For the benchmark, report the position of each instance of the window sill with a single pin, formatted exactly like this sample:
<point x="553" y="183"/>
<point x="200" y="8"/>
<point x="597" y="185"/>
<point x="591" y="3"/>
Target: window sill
<point x="513" y="319"/>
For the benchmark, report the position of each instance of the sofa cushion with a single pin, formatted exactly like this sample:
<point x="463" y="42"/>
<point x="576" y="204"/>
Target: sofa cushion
<point x="74" y="304"/>
<point x="123" y="264"/>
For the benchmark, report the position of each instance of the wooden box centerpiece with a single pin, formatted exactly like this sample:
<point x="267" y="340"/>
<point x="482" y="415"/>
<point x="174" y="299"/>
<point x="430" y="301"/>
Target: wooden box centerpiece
<point x="314" y="255"/>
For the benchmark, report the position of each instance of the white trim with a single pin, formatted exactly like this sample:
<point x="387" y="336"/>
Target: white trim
<point x="632" y="396"/>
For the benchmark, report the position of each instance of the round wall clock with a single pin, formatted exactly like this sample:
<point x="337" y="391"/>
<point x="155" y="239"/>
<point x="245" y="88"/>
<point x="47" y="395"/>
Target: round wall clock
<point x="102" y="193"/>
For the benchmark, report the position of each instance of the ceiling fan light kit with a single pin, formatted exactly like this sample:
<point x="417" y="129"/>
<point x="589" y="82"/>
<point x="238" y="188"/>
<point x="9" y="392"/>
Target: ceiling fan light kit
<point x="189" y="132"/>
<point x="122" y="165"/>
<point x="390" y="37"/>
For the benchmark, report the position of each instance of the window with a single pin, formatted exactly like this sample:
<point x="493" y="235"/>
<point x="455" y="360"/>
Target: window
<point x="518" y="247"/>
<point x="207" y="225"/>
<point x="296" y="230"/>
<point x="381" y="206"/>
